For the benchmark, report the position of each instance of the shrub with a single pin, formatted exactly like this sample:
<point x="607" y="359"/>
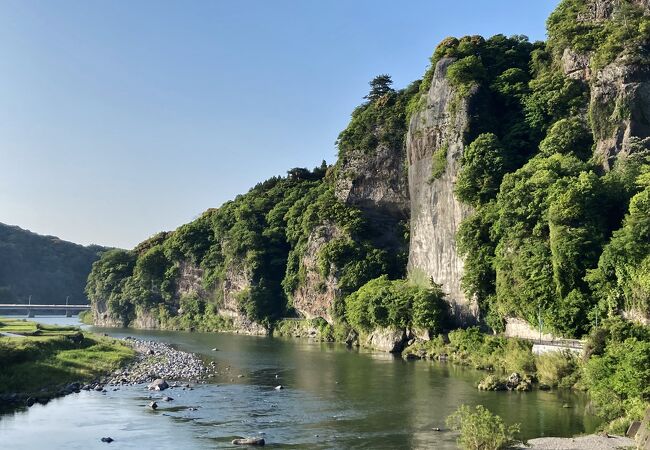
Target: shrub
<point x="557" y="369"/>
<point x="438" y="163"/>
<point x="466" y="73"/>
<point x="620" y="378"/>
<point x="396" y="303"/>
<point x="480" y="429"/>
<point x="568" y="136"/>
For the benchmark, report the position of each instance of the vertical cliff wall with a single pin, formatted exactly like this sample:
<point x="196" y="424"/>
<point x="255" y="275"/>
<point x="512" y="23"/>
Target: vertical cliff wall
<point x="617" y="71"/>
<point x="436" y="136"/>
<point x="377" y="183"/>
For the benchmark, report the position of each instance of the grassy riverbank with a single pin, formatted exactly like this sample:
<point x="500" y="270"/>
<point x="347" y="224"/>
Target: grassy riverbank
<point x="38" y="359"/>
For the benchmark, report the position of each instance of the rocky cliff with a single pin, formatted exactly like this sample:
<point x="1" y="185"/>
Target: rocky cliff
<point x="436" y="136"/>
<point x="316" y="296"/>
<point x="618" y="75"/>
<point x="490" y="154"/>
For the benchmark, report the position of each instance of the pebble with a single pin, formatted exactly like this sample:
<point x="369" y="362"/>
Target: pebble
<point x="159" y="360"/>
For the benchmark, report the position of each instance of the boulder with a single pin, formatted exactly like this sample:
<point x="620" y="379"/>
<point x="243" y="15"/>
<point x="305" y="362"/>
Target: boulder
<point x="387" y="340"/>
<point x="158" y="385"/>
<point x="513" y="381"/>
<point x="153" y="405"/>
<point x="492" y="383"/>
<point x="108" y="440"/>
<point x="249" y="441"/>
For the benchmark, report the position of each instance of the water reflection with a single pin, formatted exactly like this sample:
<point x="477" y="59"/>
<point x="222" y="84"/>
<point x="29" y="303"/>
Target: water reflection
<point x="334" y="398"/>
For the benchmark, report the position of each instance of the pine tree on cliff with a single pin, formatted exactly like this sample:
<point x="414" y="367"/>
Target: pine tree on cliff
<point x="379" y="86"/>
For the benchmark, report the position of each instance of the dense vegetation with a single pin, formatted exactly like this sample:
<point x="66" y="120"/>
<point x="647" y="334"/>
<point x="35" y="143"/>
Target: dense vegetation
<point x="548" y="234"/>
<point x="555" y="233"/>
<point x="384" y="303"/>
<point x="44" y="267"/>
<point x="256" y="240"/>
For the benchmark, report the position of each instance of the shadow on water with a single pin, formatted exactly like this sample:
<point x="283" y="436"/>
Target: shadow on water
<point x="334" y="397"/>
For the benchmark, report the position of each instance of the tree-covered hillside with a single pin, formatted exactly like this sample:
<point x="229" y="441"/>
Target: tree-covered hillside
<point x="554" y="171"/>
<point x="44" y="267"/>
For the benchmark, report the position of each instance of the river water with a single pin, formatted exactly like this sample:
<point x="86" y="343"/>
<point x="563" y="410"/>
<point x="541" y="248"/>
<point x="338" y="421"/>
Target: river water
<point x="334" y="398"/>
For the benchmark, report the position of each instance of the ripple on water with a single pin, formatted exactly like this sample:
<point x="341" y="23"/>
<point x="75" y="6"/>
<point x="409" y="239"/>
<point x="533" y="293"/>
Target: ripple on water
<point x="334" y="398"/>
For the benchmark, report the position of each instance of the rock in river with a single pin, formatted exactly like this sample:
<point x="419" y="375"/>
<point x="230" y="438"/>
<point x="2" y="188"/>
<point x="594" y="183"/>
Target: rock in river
<point x="249" y="441"/>
<point x="158" y="385"/>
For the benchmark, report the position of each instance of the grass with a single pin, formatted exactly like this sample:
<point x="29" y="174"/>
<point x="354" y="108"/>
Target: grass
<point x="47" y="357"/>
<point x="86" y="317"/>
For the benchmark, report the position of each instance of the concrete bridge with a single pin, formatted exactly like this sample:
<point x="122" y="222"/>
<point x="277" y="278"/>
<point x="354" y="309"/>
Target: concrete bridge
<point x="32" y="308"/>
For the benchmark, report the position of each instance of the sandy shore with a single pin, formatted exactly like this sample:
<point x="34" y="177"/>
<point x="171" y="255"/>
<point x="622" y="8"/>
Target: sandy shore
<point x="589" y="442"/>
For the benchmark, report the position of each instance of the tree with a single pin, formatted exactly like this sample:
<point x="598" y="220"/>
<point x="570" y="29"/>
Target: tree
<point x="481" y="171"/>
<point x="379" y="86"/>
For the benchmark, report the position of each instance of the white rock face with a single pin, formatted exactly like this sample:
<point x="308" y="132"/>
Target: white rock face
<point x="435" y="212"/>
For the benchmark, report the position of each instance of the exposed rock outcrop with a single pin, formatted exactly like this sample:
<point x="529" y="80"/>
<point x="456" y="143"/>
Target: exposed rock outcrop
<point x="237" y="282"/>
<point x="386" y="340"/>
<point x="377" y="183"/>
<point x="315" y="297"/>
<point x="620" y="91"/>
<point x="435" y="212"/>
<point x="620" y="110"/>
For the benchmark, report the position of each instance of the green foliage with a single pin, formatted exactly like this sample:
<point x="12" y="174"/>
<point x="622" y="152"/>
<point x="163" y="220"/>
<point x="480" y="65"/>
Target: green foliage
<point x="482" y="167"/>
<point x="473" y="348"/>
<point x="568" y="136"/>
<point x="246" y="235"/>
<point x="557" y="369"/>
<point x="438" y="163"/>
<point x="619" y="377"/>
<point x="396" y="304"/>
<point x="86" y="317"/>
<point x="550" y="231"/>
<point x="627" y="30"/>
<point x="43" y="267"/>
<point x="481" y="62"/>
<point x="465" y="74"/>
<point x="381" y="121"/>
<point x="108" y="280"/>
<point x="477" y="245"/>
<point x="552" y="97"/>
<point x="350" y="254"/>
<point x="480" y="429"/>
<point x="380" y="86"/>
<point x="622" y="279"/>
<point x="616" y="371"/>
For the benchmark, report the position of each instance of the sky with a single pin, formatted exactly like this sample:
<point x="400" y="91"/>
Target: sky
<point x="122" y="118"/>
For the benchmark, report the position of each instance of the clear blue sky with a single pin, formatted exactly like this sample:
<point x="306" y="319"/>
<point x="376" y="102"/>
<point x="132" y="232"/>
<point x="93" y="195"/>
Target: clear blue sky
<point x="122" y="118"/>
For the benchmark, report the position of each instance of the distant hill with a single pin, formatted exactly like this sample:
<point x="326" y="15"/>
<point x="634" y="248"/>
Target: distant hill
<point x="45" y="267"/>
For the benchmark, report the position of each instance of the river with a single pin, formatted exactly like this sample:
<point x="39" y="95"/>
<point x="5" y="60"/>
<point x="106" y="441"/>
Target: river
<point x="335" y="397"/>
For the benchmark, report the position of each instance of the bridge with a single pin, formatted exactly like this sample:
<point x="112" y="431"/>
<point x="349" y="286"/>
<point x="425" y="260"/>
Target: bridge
<point x="32" y="308"/>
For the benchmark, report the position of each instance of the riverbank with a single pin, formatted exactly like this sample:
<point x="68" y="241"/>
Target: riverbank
<point x="589" y="442"/>
<point x="41" y="362"/>
<point x="156" y="360"/>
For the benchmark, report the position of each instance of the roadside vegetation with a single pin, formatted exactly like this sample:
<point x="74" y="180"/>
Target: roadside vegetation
<point x="38" y="359"/>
